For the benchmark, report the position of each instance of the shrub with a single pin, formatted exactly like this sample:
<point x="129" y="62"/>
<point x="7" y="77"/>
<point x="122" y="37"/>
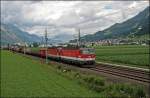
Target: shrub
<point x="125" y="90"/>
<point x="94" y="80"/>
<point x="95" y="83"/>
<point x="139" y="92"/>
<point x="77" y="75"/>
<point x="114" y="94"/>
<point x="59" y="67"/>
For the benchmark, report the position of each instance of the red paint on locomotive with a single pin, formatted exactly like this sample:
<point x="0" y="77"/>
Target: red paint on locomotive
<point x="43" y="52"/>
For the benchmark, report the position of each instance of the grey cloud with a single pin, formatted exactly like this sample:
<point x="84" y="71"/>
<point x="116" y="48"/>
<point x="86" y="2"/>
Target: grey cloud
<point x="34" y="16"/>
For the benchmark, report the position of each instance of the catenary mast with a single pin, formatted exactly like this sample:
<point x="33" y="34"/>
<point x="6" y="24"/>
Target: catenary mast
<point x="46" y="39"/>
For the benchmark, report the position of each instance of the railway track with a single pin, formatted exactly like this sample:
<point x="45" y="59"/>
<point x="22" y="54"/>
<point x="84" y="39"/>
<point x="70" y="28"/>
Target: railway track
<point x="134" y="74"/>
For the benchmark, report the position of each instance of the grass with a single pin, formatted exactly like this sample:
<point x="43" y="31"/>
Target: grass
<point x="35" y="49"/>
<point x="131" y="55"/>
<point x="23" y="77"/>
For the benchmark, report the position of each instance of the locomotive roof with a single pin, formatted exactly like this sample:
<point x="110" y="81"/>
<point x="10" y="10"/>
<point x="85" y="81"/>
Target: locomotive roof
<point x="68" y="47"/>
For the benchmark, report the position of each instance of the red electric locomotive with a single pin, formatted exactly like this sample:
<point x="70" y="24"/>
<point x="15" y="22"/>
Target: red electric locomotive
<point x="79" y="56"/>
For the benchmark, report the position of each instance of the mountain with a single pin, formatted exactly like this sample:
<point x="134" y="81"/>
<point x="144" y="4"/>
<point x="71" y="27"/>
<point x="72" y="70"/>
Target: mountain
<point x="134" y="27"/>
<point x="12" y="34"/>
<point x="62" y="38"/>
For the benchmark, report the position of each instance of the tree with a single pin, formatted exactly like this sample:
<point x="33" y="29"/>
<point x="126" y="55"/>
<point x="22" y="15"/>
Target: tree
<point x="35" y="44"/>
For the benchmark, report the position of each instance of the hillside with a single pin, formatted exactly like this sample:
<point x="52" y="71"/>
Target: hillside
<point x="62" y="38"/>
<point x="12" y="34"/>
<point x="136" y="27"/>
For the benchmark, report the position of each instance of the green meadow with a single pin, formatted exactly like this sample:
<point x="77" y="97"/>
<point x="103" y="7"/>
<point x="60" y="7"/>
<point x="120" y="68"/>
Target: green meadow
<point x="131" y="55"/>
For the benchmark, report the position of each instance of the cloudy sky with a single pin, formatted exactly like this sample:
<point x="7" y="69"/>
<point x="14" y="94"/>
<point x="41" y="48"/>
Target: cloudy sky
<point x="65" y="17"/>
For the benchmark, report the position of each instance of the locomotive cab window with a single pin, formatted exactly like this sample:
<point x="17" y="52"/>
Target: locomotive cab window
<point x="87" y="51"/>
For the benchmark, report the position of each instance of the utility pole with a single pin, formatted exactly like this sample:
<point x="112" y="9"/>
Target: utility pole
<point x="78" y="38"/>
<point x="8" y="46"/>
<point x="42" y="41"/>
<point x="46" y="44"/>
<point x="24" y="48"/>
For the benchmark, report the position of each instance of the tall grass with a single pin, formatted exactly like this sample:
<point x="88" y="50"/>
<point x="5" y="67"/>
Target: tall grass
<point x="131" y="55"/>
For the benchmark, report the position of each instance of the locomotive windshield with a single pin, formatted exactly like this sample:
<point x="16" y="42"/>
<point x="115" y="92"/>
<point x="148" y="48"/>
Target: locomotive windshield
<point x="87" y="51"/>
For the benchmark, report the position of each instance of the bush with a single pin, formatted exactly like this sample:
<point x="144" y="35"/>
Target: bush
<point x="77" y="75"/>
<point x="139" y="93"/>
<point x="59" y="67"/>
<point x="128" y="90"/>
<point x="94" y="83"/>
<point x="94" y="80"/>
<point x="114" y="94"/>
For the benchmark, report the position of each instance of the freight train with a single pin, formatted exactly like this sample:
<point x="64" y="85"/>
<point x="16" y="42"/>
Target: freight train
<point x="78" y="56"/>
